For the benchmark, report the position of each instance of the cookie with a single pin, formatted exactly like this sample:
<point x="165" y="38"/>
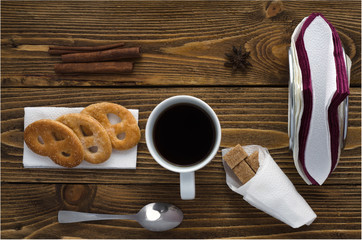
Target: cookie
<point x="53" y="139"/>
<point x="94" y="138"/>
<point x="124" y="134"/>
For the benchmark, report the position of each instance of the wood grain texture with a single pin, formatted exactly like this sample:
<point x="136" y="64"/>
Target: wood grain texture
<point x="184" y="44"/>
<point x="183" y="41"/>
<point x="247" y="116"/>
<point x="217" y="212"/>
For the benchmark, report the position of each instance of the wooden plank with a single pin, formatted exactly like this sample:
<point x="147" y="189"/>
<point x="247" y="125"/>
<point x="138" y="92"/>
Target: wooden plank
<point x="247" y="116"/>
<point x="30" y="211"/>
<point x="183" y="42"/>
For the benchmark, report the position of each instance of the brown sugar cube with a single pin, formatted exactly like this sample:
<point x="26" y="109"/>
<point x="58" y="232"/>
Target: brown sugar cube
<point x="235" y="156"/>
<point x="253" y="161"/>
<point x="243" y="172"/>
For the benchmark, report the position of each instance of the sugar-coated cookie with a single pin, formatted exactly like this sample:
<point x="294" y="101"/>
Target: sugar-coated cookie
<point x="94" y="138"/>
<point x="124" y="134"/>
<point x="53" y="139"/>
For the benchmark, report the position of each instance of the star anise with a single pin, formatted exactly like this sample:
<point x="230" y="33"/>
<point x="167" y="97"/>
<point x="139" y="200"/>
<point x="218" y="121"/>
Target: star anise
<point x="237" y="59"/>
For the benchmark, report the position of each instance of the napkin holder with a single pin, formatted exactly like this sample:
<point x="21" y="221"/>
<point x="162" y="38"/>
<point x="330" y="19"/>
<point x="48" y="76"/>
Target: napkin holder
<point x="297" y="107"/>
<point x="291" y="104"/>
<point x="271" y="191"/>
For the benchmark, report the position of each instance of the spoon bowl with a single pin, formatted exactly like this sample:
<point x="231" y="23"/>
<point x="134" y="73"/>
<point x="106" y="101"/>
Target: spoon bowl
<point x="154" y="216"/>
<point x="159" y="216"/>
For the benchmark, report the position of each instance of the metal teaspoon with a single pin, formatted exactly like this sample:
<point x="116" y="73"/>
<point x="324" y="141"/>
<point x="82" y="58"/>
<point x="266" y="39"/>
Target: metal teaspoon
<point x="154" y="216"/>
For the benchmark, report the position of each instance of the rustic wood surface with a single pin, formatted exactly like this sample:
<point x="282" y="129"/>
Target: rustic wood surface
<point x="216" y="213"/>
<point x="184" y="44"/>
<point x="259" y="117"/>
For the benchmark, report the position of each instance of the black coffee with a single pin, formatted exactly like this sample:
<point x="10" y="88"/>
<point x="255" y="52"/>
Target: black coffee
<point x="184" y="134"/>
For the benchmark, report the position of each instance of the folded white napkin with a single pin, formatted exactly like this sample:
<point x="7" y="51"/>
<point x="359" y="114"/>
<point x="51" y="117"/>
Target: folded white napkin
<point x="271" y="191"/>
<point x="119" y="159"/>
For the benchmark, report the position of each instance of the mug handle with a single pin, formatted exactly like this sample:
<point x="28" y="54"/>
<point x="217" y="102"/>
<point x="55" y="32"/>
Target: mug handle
<point x="187" y="185"/>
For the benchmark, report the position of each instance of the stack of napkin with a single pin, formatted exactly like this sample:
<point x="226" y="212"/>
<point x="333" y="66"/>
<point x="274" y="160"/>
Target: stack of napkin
<point x="318" y="98"/>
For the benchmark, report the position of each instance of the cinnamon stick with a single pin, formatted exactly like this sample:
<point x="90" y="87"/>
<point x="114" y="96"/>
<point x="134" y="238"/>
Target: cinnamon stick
<point x="59" y="50"/>
<point x="94" y="67"/>
<point x="106" y="55"/>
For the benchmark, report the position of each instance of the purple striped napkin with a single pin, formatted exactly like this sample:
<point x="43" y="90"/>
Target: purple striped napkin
<point x="325" y="87"/>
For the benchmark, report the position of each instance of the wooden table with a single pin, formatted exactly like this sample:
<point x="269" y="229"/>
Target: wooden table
<point x="184" y="45"/>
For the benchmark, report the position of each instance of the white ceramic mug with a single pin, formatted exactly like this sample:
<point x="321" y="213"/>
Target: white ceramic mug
<point x="187" y="173"/>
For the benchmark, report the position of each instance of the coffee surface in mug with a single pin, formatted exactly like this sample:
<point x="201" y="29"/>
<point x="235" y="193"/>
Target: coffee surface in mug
<point x="184" y="134"/>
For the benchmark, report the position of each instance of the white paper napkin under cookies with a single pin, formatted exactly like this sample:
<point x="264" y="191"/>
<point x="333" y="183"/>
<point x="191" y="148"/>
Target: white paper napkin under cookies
<point x="271" y="191"/>
<point x="126" y="159"/>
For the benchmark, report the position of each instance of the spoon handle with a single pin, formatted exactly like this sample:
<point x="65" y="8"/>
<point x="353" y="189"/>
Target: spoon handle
<point x="72" y="216"/>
